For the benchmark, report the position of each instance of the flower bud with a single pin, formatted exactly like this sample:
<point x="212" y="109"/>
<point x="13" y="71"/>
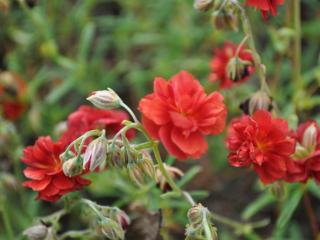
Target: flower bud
<point x="238" y="69"/>
<point x="116" y="156"/>
<point x="174" y="173"/>
<point x="310" y="136"/>
<point x="195" y="214"/>
<point x="147" y="165"/>
<point x="136" y="173"/>
<point x="258" y="101"/>
<point x="225" y="20"/>
<point x="105" y="99"/>
<point x="96" y="153"/>
<point x="72" y="167"/>
<point x="37" y="232"/>
<point x="117" y="215"/>
<point x="111" y="229"/>
<point x="203" y="5"/>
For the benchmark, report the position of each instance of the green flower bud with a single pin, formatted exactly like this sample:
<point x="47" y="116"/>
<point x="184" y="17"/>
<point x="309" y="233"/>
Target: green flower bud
<point x="105" y="99"/>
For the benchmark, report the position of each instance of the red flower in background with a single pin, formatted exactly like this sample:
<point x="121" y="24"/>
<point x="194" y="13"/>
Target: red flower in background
<point x="220" y="62"/>
<point x="265" y="6"/>
<point x="305" y="162"/>
<point x="262" y="142"/>
<point x="88" y="118"/>
<point x="180" y="115"/>
<point x="44" y="168"/>
<point x="12" y="91"/>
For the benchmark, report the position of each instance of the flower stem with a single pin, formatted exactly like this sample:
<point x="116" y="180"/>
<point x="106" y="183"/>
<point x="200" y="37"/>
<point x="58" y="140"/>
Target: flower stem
<point x="256" y="57"/>
<point x="296" y="57"/>
<point x="128" y="109"/>
<point x="312" y="217"/>
<point x="6" y="222"/>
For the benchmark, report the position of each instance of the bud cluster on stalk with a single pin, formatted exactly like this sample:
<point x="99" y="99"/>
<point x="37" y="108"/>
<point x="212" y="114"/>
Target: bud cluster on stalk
<point x="225" y="14"/>
<point x="200" y="221"/>
<point x="112" y="222"/>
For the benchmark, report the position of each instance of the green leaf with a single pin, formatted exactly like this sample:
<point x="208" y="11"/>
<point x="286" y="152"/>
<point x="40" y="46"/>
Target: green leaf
<point x="261" y="202"/>
<point x="314" y="189"/>
<point x="289" y="206"/>
<point x="187" y="177"/>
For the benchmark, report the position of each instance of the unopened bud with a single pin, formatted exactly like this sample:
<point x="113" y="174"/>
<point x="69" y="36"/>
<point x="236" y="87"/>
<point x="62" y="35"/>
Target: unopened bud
<point x="72" y="167"/>
<point x="258" y="101"/>
<point x="38" y="232"/>
<point x="105" y="99"/>
<point x="238" y="69"/>
<point x="111" y="229"/>
<point x="116" y="156"/>
<point x="117" y="215"/>
<point x="195" y="214"/>
<point x="136" y="173"/>
<point x="225" y="20"/>
<point x="96" y="153"/>
<point x="203" y="5"/>
<point x="175" y="173"/>
<point x="147" y="165"/>
<point x="310" y="136"/>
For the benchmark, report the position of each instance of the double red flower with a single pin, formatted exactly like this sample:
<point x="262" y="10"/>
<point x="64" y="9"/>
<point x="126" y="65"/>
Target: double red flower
<point x="265" y="6"/>
<point x="262" y="142"/>
<point x="180" y="115"/>
<point x="305" y="163"/>
<point x="45" y="171"/>
<point x="220" y="62"/>
<point x="44" y="167"/>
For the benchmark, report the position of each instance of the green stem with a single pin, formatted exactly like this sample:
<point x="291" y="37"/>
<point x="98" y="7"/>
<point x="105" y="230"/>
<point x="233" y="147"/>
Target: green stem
<point x="206" y="225"/>
<point x="296" y="58"/>
<point x="6" y="222"/>
<point x="256" y="57"/>
<point x="126" y="107"/>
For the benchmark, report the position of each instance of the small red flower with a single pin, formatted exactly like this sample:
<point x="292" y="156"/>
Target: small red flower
<point x="262" y="142"/>
<point x="44" y="168"/>
<point x="180" y="115"/>
<point x="265" y="6"/>
<point x="220" y="62"/>
<point x="305" y="162"/>
<point x="12" y="90"/>
<point x="88" y="118"/>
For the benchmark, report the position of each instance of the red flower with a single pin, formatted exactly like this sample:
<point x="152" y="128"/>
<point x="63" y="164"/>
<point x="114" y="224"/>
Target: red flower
<point x="88" y="118"/>
<point x="180" y="115"/>
<point x="262" y="142"/>
<point x="220" y="62"/>
<point x="45" y="171"/>
<point x="265" y="6"/>
<point x="305" y="162"/>
<point x="12" y="90"/>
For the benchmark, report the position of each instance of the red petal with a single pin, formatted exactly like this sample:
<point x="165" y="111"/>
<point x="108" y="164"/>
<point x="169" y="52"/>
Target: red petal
<point x="38" y="185"/>
<point x="193" y="145"/>
<point x="34" y="174"/>
<point x="63" y="182"/>
<point x="165" y="137"/>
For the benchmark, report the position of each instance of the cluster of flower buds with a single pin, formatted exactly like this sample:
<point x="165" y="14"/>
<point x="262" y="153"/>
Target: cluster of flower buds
<point x="226" y="16"/>
<point x="258" y="101"/>
<point x="140" y="167"/>
<point x="112" y="222"/>
<point x="200" y="224"/>
<point x="105" y="99"/>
